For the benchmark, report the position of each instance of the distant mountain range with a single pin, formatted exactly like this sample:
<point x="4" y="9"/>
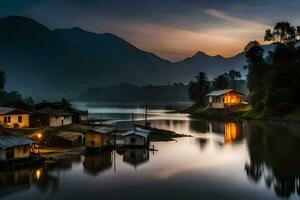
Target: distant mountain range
<point x="64" y="62"/>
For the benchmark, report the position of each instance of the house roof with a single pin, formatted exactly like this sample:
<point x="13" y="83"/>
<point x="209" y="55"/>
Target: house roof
<point x="222" y="92"/>
<point x="12" y="141"/>
<point x="69" y="135"/>
<point x="53" y="112"/>
<point x="102" y="130"/>
<point x="10" y="110"/>
<point x="137" y="131"/>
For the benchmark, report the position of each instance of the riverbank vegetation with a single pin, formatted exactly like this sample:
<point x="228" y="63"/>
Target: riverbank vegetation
<point x="11" y="98"/>
<point x="273" y="78"/>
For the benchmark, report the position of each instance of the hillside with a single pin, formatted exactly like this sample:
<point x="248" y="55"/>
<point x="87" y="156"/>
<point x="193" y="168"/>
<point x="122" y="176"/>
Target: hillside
<point x="65" y="62"/>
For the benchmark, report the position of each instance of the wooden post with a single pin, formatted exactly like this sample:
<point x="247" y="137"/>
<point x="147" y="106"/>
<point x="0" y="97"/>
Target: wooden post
<point x="146" y="112"/>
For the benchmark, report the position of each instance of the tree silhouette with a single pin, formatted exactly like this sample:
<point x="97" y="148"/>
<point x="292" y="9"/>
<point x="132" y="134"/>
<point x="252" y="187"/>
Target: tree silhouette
<point x="221" y="82"/>
<point x="283" y="32"/>
<point x="2" y="80"/>
<point x="199" y="89"/>
<point x="234" y="75"/>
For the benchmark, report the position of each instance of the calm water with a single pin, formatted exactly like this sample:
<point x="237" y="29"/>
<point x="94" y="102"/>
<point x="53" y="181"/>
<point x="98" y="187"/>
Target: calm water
<point x="248" y="160"/>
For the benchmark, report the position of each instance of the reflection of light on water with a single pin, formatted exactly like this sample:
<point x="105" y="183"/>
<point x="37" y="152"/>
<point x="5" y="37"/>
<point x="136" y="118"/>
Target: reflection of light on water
<point x="231" y="132"/>
<point x="38" y="173"/>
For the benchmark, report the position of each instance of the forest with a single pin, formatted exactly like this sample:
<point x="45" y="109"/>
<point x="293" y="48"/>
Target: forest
<point x="273" y="78"/>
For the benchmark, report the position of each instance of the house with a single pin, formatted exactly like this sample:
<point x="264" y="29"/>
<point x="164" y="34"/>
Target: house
<point x="79" y="116"/>
<point x="15" y="148"/>
<point x="220" y="99"/>
<point x="98" y="138"/>
<point x="67" y="139"/>
<point x="14" y="118"/>
<point x="51" y="117"/>
<point x="136" y="137"/>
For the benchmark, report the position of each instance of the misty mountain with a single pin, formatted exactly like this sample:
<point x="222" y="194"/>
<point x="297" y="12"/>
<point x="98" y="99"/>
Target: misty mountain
<point x="64" y="62"/>
<point x="133" y="93"/>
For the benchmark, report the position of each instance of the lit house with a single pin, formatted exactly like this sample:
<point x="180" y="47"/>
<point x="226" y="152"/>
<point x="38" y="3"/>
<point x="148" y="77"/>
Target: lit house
<point x="221" y="99"/>
<point x="13" y="118"/>
<point x="15" y="148"/>
<point x="51" y="117"/>
<point x="98" y="138"/>
<point x="136" y="137"/>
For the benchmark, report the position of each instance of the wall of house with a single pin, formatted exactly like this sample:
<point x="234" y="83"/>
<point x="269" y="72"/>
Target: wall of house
<point x="218" y="105"/>
<point x="94" y="140"/>
<point x="233" y="98"/>
<point x="2" y="154"/>
<point x="22" y="152"/>
<point x="60" y="121"/>
<point x="140" y="141"/>
<point x="14" y="121"/>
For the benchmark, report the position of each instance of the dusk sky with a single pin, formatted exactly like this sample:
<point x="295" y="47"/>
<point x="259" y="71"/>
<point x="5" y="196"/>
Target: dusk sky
<point x="172" y="29"/>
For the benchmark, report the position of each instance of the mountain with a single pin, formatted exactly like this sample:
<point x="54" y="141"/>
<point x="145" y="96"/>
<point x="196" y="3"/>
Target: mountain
<point x="212" y="65"/>
<point x="64" y="62"/>
<point x="39" y="63"/>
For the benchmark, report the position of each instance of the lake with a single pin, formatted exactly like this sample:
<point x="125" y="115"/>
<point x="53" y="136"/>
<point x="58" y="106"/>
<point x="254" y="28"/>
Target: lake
<point x="223" y="160"/>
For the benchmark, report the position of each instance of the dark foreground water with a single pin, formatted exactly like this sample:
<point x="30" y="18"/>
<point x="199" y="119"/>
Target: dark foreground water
<point x="251" y="160"/>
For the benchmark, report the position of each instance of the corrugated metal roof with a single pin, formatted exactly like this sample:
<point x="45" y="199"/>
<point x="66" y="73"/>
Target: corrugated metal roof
<point x="5" y="110"/>
<point x="54" y="112"/>
<point x="68" y="135"/>
<point x="221" y="92"/>
<point x="137" y="131"/>
<point x="12" y="141"/>
<point x="103" y="130"/>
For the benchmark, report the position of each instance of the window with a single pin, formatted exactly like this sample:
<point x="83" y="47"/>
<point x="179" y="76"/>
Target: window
<point x="25" y="149"/>
<point x="7" y="119"/>
<point x="132" y="140"/>
<point x="20" y="119"/>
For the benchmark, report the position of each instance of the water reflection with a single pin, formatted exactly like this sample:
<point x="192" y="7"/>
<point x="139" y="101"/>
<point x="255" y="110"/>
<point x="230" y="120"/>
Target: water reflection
<point x="274" y="158"/>
<point x="95" y="164"/>
<point x="136" y="157"/>
<point x="260" y="160"/>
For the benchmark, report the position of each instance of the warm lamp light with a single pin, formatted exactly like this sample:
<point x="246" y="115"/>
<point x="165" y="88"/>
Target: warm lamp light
<point x="38" y="174"/>
<point x="39" y="135"/>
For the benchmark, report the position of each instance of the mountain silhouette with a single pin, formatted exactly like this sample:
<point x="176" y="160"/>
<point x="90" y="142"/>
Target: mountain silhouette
<point x="46" y="63"/>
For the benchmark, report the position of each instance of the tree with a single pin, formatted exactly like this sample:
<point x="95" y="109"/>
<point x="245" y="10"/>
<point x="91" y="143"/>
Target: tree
<point x="274" y="81"/>
<point x="2" y="80"/>
<point x="257" y="70"/>
<point x="283" y="32"/>
<point x="234" y="75"/>
<point x="221" y="82"/>
<point x="199" y="89"/>
<point x="256" y="64"/>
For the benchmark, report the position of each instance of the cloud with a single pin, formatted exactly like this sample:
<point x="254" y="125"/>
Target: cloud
<point x="235" y="20"/>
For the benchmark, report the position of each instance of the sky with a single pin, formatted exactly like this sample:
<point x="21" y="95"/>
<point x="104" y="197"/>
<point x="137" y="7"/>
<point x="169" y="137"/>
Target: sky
<point x="172" y="29"/>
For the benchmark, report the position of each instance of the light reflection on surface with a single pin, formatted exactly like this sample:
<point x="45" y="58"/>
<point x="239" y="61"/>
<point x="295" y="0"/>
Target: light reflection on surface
<point x="224" y="160"/>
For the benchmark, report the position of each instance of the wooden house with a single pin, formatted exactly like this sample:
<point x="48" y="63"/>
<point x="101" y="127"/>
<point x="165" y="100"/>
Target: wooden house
<point x="136" y="137"/>
<point x="67" y="139"/>
<point x="15" y="148"/>
<point x="14" y="118"/>
<point x="79" y="116"/>
<point x="221" y="99"/>
<point x="51" y="117"/>
<point x="98" y="138"/>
